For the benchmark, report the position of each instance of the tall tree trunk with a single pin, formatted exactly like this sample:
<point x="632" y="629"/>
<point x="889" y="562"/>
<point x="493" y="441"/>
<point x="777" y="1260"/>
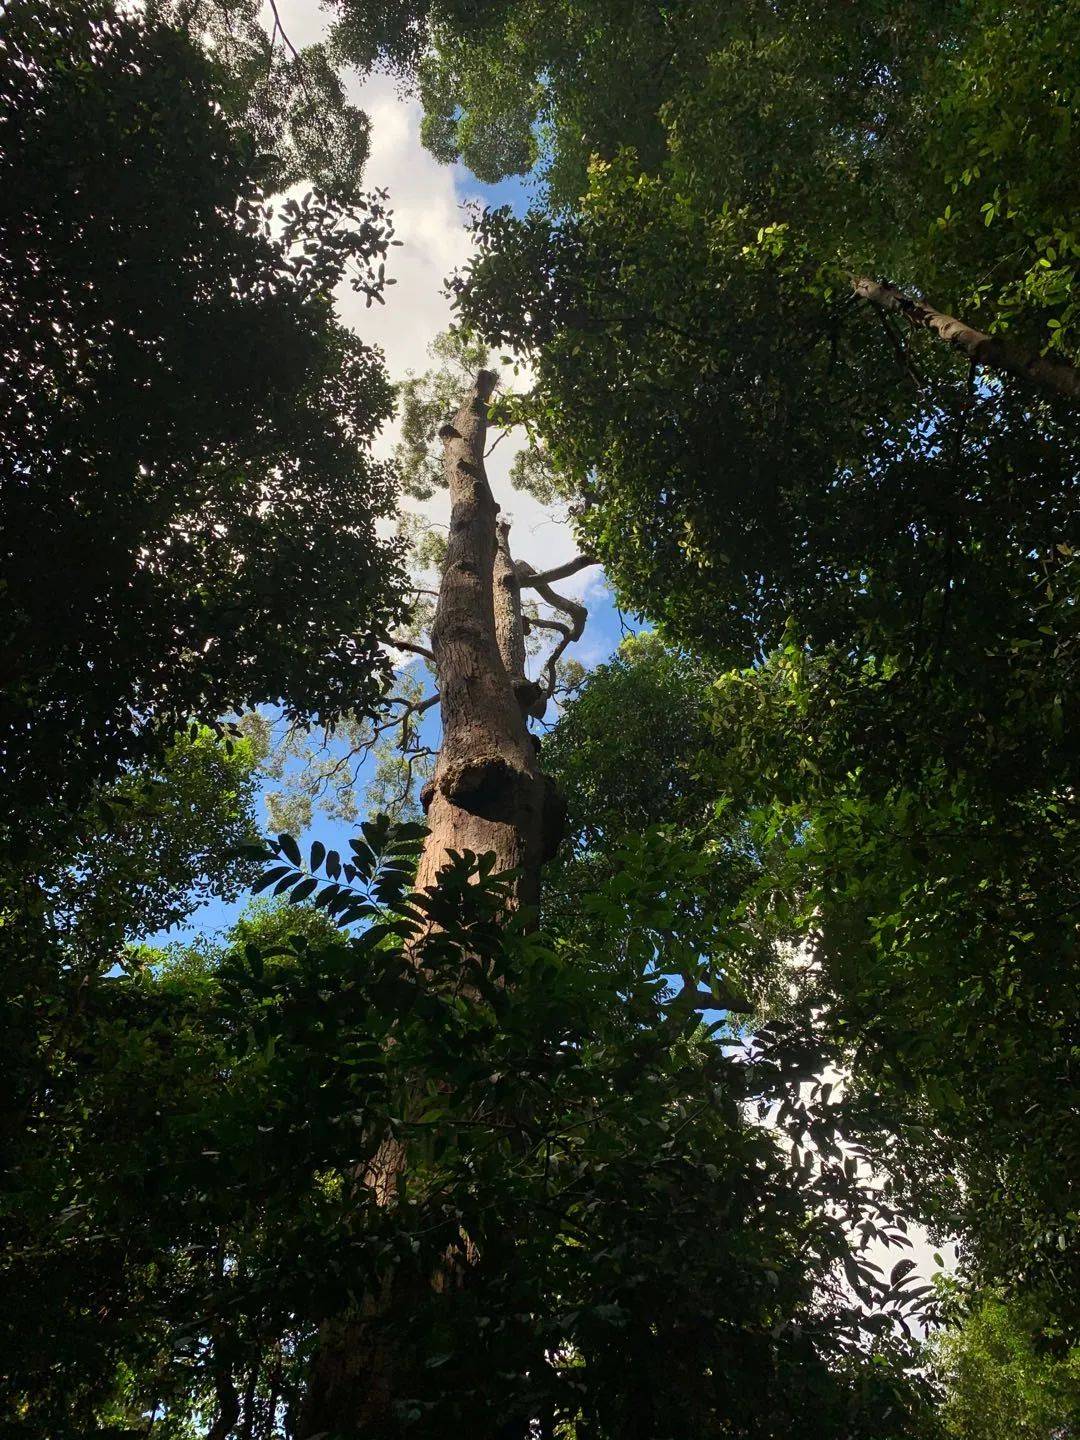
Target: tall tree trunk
<point x="488" y="796"/>
<point x="988" y="350"/>
<point x="487" y="793"/>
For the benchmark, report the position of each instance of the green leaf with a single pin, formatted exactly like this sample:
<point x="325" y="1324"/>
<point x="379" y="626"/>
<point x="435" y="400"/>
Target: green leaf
<point x="269" y="877"/>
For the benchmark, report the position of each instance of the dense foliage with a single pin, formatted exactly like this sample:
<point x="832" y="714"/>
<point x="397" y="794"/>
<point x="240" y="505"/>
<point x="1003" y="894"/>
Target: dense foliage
<point x="1004" y="1377"/>
<point x="878" y="534"/>
<point x="650" y="1262"/>
<point x="805" y="966"/>
<point x="186" y="485"/>
<point x="186" y="477"/>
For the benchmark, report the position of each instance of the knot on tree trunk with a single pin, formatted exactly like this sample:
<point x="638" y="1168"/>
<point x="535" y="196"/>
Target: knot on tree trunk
<point x="473" y="470"/>
<point x="485" y="785"/>
<point x="531" y="697"/>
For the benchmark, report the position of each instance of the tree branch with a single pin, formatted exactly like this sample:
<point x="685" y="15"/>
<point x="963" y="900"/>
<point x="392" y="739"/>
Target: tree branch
<point x="412" y="707"/>
<point x="413" y="648"/>
<point x="534" y="580"/>
<point x="539" y="621"/>
<point x="901" y="350"/>
<point x="981" y="349"/>
<point x="280" y="29"/>
<point x="574" y="609"/>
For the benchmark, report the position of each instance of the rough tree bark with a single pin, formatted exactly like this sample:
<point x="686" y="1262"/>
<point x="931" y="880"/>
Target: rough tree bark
<point x="487" y="795"/>
<point x="981" y="349"/>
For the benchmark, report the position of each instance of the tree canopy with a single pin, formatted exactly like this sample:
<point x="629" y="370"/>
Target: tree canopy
<point x="593" y="1091"/>
<point x="875" y="528"/>
<point x="189" y="500"/>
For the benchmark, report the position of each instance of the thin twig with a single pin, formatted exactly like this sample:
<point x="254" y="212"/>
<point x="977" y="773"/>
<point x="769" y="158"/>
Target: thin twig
<point x="280" y="29"/>
<point x="902" y="355"/>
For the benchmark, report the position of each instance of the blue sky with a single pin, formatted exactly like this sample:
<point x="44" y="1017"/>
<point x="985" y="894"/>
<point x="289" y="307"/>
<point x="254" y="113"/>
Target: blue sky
<point x="603" y="634"/>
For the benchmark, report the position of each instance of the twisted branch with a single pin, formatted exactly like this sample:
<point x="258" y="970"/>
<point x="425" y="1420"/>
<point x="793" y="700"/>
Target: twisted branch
<point x="578" y="614"/>
<point x="534" y="580"/>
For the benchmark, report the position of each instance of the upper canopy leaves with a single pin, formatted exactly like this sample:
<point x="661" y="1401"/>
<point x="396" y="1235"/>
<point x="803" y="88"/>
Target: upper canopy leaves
<point x="188" y="498"/>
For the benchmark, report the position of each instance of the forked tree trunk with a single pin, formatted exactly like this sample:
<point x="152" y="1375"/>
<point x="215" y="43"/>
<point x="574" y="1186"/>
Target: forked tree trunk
<point x="487" y="796"/>
<point x="510" y="625"/>
<point x="487" y="793"/>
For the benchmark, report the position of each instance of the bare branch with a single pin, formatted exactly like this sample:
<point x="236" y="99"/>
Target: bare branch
<point x="534" y="580"/>
<point x="412" y="647"/>
<point x="280" y="30"/>
<point x="906" y="363"/>
<point x="412" y="707"/>
<point x="577" y="612"/>
<point x="531" y="621"/>
<point x="989" y="350"/>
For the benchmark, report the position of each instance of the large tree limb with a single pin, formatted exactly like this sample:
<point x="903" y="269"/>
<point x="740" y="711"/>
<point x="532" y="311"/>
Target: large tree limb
<point x="534" y="580"/>
<point x="981" y="349"/>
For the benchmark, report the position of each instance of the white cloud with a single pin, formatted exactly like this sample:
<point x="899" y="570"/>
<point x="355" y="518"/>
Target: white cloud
<point x="428" y="200"/>
<point x="428" y="220"/>
<point x="431" y="221"/>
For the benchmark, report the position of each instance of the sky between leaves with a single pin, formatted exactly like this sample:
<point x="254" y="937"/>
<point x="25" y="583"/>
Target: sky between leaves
<point x="431" y="204"/>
